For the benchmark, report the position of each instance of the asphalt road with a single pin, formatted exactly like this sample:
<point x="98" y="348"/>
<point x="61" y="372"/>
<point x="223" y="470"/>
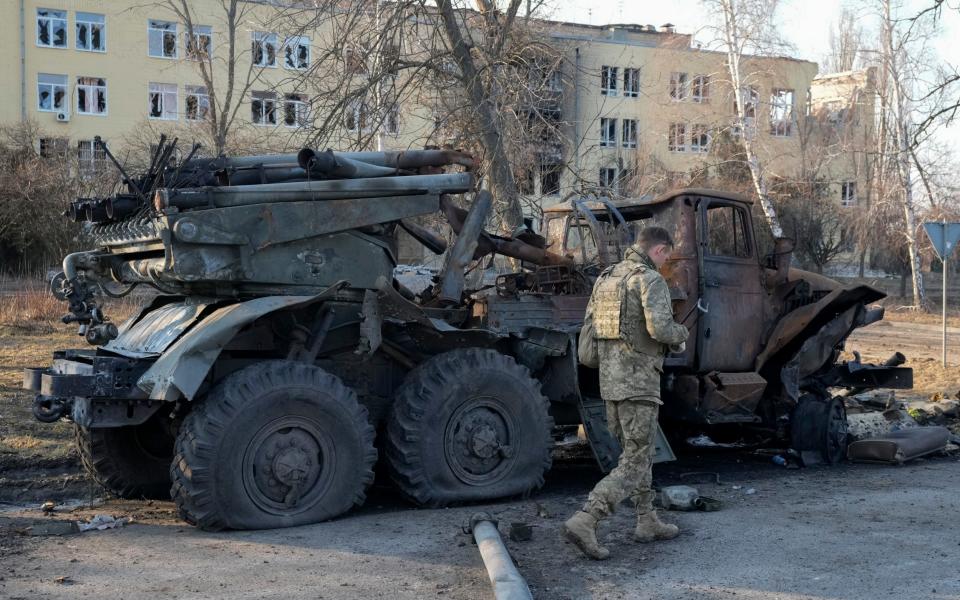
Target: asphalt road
<point x="849" y="532"/>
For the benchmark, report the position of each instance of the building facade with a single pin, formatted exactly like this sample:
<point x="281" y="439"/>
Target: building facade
<point x="638" y="107"/>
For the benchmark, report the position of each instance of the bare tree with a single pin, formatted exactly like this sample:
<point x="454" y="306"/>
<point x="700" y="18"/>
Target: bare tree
<point x="223" y="63"/>
<point x="846" y="42"/>
<point x="745" y="27"/>
<point x="483" y="80"/>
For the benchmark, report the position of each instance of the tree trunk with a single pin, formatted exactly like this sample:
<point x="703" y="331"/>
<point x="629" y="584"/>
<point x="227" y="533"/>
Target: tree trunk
<point x="501" y="181"/>
<point x="732" y="41"/>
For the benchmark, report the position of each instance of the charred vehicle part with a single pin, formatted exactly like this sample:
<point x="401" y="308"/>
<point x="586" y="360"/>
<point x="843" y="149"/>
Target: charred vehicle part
<point x="283" y="359"/>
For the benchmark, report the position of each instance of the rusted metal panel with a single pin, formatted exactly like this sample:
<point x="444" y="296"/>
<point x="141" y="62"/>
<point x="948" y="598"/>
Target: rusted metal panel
<point x="732" y="395"/>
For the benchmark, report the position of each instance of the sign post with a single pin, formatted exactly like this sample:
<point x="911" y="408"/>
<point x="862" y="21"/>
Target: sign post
<point x="944" y="237"/>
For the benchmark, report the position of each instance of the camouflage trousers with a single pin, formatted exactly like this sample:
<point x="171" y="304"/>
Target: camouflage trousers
<point x="634" y="422"/>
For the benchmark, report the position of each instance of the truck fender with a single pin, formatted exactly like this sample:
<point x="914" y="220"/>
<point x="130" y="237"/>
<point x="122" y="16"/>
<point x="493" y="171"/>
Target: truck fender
<point x="180" y="371"/>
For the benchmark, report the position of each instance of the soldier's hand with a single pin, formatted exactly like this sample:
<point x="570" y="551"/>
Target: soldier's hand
<point x="678" y="348"/>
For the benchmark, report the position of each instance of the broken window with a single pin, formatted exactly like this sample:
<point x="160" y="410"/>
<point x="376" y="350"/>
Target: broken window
<point x="550" y="179"/>
<point x="162" y="99"/>
<point x="199" y="42"/>
<point x="631" y="83"/>
<point x="295" y="110"/>
<point x="608" y="179"/>
<point x="629" y="133"/>
<point x="296" y="52"/>
<point x="264" y="49"/>
<point x="51" y="92"/>
<point x="91" y="95"/>
<point x="264" y="108"/>
<point x="678" y="86"/>
<point x="51" y="28"/>
<point x="699" y="138"/>
<point x="701" y="89"/>
<point x="848" y="193"/>
<point x="91" y="32"/>
<point x="608" y="81"/>
<point x="677" y="140"/>
<point x="162" y="39"/>
<point x="356" y="117"/>
<point x="781" y="112"/>
<point x="626" y="180"/>
<point x="608" y="133"/>
<point x="91" y="157"/>
<point x="53" y="147"/>
<point x="197" y="103"/>
<point x="727" y="231"/>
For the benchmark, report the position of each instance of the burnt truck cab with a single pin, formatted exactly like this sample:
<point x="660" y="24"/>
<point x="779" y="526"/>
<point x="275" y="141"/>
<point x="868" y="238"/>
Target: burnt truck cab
<point x="765" y="338"/>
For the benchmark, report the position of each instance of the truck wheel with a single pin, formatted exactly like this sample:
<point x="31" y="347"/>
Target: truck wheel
<point x="275" y="444"/>
<point x="467" y="425"/>
<point x="129" y="462"/>
<point x="819" y="424"/>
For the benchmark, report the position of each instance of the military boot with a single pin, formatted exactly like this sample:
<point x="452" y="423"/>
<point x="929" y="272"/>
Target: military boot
<point x="581" y="530"/>
<point x="650" y="528"/>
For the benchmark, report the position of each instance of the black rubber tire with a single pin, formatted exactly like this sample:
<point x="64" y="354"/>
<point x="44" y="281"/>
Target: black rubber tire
<point x="422" y="426"/>
<point x="129" y="462"/>
<point x="221" y="479"/>
<point x="819" y="424"/>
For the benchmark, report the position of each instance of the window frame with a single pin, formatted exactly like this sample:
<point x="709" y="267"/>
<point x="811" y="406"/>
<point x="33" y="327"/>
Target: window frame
<point x="106" y="98"/>
<point x="90" y="24"/>
<point x="628" y="125"/>
<point x="608" y="132"/>
<point x="608" y="76"/>
<point x="740" y="211"/>
<point x="296" y="41"/>
<point x="65" y="101"/>
<point x="163" y="94"/>
<point x="190" y="35"/>
<point x="163" y="34"/>
<point x="697" y="132"/>
<point x="782" y="126"/>
<point x="50" y="20"/>
<point x="677" y="129"/>
<point x="848" y="194"/>
<point x="58" y="153"/>
<point x="700" y="89"/>
<point x="95" y="163"/>
<point x="631" y="82"/>
<point x="301" y="110"/>
<point x="263" y="97"/>
<point x="194" y="91"/>
<point x="679" y="86"/>
<point x="264" y="37"/>
<point x="610" y="175"/>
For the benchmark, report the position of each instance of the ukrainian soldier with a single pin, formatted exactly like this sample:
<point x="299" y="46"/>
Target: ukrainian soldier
<point x="634" y="328"/>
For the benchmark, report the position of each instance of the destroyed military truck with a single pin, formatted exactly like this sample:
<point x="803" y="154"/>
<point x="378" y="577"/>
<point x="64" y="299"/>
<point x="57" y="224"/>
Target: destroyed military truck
<point x="282" y="359"/>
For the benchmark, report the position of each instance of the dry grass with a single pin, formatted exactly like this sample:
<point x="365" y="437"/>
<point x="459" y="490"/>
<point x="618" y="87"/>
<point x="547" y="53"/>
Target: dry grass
<point x="28" y="305"/>
<point x="934" y="317"/>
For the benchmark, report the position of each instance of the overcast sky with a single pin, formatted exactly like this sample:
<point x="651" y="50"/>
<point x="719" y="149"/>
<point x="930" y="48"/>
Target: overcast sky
<point x="804" y="23"/>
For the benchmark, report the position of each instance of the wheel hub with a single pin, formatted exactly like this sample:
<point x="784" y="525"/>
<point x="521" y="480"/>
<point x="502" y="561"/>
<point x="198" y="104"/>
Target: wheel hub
<point x="478" y="440"/>
<point x="287" y="464"/>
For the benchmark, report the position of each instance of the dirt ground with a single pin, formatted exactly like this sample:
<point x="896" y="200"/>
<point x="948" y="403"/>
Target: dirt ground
<point x="852" y="531"/>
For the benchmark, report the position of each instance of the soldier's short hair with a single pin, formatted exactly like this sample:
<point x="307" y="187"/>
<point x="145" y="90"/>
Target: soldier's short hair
<point x="654" y="236"/>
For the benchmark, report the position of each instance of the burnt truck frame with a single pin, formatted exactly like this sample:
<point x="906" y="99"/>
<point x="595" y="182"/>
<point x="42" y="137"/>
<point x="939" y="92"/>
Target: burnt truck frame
<point x="283" y="358"/>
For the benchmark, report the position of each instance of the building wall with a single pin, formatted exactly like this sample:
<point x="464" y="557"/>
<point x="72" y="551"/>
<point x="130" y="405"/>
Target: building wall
<point x="128" y="70"/>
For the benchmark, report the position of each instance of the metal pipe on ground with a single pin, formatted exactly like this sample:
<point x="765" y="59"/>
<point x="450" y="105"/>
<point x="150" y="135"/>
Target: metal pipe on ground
<point x="507" y="582"/>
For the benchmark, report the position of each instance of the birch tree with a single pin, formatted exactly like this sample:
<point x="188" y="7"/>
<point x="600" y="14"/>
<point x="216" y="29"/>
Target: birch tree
<point x="744" y="27"/>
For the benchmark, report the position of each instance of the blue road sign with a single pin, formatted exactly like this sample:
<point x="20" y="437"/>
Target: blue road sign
<point x="944" y="237"/>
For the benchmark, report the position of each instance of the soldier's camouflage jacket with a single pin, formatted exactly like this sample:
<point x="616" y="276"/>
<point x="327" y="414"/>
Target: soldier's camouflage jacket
<point x="634" y="326"/>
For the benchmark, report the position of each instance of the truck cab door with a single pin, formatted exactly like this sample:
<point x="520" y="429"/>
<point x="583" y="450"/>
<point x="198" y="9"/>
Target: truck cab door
<point x="729" y="333"/>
